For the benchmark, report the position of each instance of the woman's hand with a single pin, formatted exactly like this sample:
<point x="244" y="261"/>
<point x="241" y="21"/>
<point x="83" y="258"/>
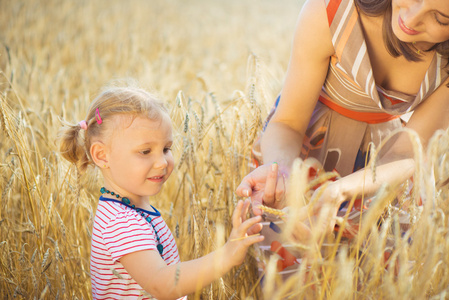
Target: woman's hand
<point x="318" y="218"/>
<point x="243" y="234"/>
<point x="265" y="185"/>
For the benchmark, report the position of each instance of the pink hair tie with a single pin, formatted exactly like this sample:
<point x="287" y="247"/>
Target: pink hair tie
<point x="98" y="117"/>
<point x="83" y="124"/>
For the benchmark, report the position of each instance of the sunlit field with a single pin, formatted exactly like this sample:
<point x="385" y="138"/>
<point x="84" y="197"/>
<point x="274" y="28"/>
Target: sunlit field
<point x="218" y="65"/>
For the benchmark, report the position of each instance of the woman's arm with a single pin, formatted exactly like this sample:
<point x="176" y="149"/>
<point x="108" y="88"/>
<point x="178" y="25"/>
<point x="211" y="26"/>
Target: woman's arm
<point x="282" y="140"/>
<point x="393" y="168"/>
<point x="151" y="272"/>
<point x="397" y="164"/>
<point x="307" y="70"/>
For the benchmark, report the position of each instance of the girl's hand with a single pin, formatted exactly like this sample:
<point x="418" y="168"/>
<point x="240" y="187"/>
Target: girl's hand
<point x="266" y="185"/>
<point x="242" y="235"/>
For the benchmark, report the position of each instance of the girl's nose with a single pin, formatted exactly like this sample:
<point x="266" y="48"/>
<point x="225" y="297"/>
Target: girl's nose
<point x="161" y="162"/>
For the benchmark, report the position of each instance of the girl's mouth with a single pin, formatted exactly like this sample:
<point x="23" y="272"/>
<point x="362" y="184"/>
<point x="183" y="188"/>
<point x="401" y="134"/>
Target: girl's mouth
<point x="406" y="29"/>
<point x="156" y="178"/>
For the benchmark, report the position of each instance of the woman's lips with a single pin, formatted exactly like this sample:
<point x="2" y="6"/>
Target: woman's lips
<point x="405" y="29"/>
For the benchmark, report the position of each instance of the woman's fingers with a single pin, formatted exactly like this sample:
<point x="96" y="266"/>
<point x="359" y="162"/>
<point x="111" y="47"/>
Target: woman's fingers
<point x="269" y="196"/>
<point x="279" y="197"/>
<point x="302" y="233"/>
<point x="256" y="208"/>
<point x="245" y="187"/>
<point x="253" y="185"/>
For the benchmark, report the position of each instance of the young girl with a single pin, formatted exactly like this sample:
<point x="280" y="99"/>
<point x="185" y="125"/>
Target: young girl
<point x="127" y="134"/>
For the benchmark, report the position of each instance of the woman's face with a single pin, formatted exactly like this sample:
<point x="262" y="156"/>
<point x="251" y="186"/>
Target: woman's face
<point x="425" y="22"/>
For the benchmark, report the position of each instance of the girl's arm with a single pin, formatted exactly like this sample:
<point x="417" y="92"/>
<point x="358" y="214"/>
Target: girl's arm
<point x="150" y="271"/>
<point x="307" y="70"/>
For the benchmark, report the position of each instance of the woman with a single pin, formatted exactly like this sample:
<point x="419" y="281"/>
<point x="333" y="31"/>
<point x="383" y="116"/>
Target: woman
<point x="356" y="67"/>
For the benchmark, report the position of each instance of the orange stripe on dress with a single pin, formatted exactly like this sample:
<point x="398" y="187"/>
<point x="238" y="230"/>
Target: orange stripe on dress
<point x="331" y="10"/>
<point x="367" y="117"/>
<point x="346" y="33"/>
<point x="393" y="101"/>
<point x="334" y="61"/>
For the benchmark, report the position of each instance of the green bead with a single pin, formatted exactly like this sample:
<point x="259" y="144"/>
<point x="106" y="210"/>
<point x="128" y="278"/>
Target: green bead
<point x="126" y="200"/>
<point x="133" y="206"/>
<point x="148" y="219"/>
<point x="102" y="190"/>
<point x="160" y="248"/>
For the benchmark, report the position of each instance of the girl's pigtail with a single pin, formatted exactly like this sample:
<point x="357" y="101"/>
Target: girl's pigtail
<point x="72" y="146"/>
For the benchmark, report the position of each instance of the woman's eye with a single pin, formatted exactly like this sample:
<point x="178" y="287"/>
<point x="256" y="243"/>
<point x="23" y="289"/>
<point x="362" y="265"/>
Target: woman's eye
<point x="439" y="22"/>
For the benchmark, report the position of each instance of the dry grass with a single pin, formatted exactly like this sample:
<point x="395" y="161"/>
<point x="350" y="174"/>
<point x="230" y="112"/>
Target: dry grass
<point x="220" y="65"/>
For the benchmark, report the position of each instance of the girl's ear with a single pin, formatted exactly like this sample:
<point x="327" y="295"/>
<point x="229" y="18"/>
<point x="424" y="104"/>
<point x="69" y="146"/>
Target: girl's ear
<point x="99" y="154"/>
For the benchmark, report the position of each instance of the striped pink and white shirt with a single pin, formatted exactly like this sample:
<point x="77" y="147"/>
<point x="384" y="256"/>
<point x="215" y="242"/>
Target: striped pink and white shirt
<point x="119" y="230"/>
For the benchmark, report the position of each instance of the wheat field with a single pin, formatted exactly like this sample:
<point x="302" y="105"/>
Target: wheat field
<point x="218" y="65"/>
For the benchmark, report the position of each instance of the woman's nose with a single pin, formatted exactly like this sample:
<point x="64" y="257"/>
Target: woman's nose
<point x="413" y="16"/>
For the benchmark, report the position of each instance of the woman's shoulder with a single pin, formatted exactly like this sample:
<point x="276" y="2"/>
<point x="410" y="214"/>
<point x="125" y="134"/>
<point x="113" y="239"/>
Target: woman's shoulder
<point x="312" y="30"/>
<point x="339" y="11"/>
<point x="333" y="14"/>
<point x="333" y="9"/>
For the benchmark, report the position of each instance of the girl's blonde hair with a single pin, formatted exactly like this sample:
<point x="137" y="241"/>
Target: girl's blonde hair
<point x="112" y="101"/>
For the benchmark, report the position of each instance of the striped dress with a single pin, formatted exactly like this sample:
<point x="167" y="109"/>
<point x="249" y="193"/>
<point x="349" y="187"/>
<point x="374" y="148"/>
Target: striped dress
<point x="352" y="111"/>
<point x="119" y="230"/>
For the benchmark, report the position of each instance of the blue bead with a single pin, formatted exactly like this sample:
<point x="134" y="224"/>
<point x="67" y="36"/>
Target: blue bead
<point x="102" y="190"/>
<point x="126" y="200"/>
<point x="160" y="248"/>
<point x="118" y="196"/>
<point x="148" y="219"/>
<point x="275" y="228"/>
<point x="133" y="206"/>
<point x="112" y="193"/>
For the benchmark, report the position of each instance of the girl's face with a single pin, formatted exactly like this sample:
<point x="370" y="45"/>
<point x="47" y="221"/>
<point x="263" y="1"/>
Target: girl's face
<point x="422" y="21"/>
<point x="140" y="159"/>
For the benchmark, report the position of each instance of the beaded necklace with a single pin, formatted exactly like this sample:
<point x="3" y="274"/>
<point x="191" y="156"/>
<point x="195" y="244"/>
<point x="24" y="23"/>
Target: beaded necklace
<point x="125" y="201"/>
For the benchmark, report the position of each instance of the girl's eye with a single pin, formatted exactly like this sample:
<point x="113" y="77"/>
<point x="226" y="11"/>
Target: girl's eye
<point x="145" y="152"/>
<point x="167" y="149"/>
